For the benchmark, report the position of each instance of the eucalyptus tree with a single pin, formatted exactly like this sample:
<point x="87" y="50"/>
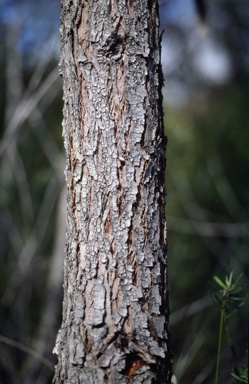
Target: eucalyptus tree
<point x="115" y="309"/>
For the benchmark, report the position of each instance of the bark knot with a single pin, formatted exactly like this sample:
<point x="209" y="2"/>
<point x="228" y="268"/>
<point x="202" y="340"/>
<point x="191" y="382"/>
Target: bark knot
<point x="114" y="46"/>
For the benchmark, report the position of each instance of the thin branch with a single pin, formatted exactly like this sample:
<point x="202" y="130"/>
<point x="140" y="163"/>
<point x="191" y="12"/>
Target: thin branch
<point x="25" y="107"/>
<point x="26" y="349"/>
<point x="188" y="356"/>
<point x="20" y="174"/>
<point x="207" y="229"/>
<point x="28" y="251"/>
<point x="190" y="310"/>
<point x="47" y="141"/>
<point x="223" y="186"/>
<point x="45" y="337"/>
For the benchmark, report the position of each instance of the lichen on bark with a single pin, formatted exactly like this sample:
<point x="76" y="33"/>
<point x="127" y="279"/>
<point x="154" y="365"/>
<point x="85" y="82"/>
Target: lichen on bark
<point x="115" y="310"/>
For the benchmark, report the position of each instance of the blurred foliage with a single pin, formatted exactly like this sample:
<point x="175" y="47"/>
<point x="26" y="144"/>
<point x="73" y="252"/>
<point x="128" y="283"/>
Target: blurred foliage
<point x="31" y="169"/>
<point x="207" y="207"/>
<point x="207" y="184"/>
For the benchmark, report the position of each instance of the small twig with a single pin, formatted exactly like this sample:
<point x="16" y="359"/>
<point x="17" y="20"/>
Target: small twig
<point x="26" y="349"/>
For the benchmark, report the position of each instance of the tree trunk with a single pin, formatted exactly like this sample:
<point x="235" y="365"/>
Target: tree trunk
<point x="115" y="313"/>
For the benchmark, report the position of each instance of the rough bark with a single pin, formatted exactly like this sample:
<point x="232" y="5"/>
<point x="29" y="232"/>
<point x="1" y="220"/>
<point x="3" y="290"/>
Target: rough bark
<point x="115" y="311"/>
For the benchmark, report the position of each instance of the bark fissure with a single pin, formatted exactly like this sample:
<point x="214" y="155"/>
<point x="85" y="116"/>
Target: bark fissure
<point x="115" y="316"/>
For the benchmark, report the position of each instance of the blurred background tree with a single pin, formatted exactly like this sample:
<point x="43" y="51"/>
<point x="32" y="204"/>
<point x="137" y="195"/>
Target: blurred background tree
<point x="32" y="226"/>
<point x="205" y="60"/>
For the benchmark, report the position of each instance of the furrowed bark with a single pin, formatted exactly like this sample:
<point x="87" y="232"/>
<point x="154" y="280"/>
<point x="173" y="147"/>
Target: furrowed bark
<point x="115" y="312"/>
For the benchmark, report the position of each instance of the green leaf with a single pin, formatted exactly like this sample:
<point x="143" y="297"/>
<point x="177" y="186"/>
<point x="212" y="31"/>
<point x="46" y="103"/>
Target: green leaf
<point x="236" y="282"/>
<point x="229" y="280"/>
<point x="219" y="282"/>
<point x="236" y="298"/>
<point x="241" y="379"/>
